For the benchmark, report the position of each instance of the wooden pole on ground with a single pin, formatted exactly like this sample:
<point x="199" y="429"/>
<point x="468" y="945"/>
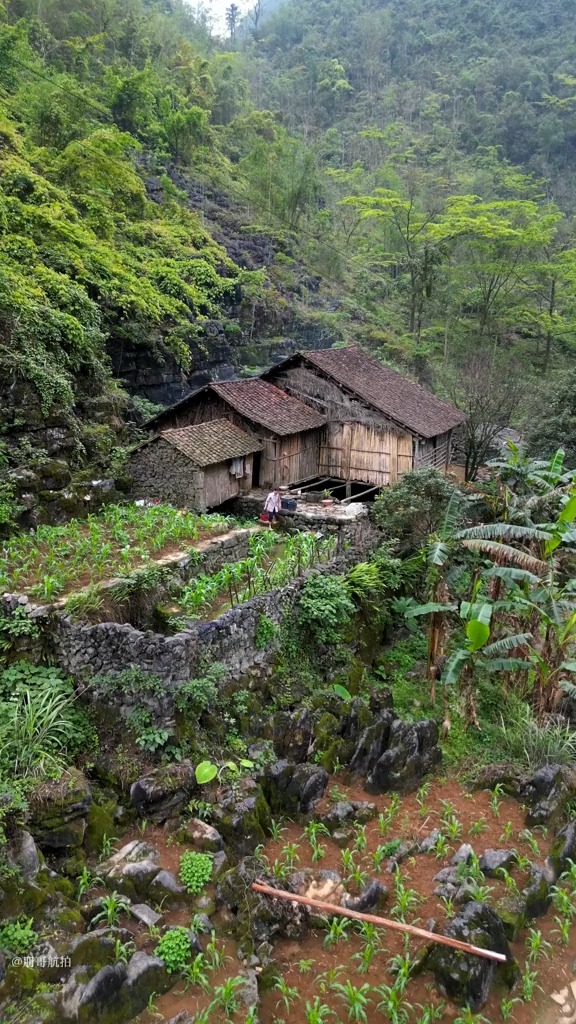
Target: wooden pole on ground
<point x="396" y="926"/>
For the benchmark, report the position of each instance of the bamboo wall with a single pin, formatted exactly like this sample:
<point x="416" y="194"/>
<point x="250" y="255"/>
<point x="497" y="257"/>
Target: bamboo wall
<point x="355" y="451"/>
<point x="290" y="460"/>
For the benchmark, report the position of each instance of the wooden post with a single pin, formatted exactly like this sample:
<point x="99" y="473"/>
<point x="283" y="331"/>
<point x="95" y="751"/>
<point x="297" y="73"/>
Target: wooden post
<point x="396" y="926"/>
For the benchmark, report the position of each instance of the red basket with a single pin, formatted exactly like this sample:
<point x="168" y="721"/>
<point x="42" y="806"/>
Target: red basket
<point x="264" y="517"/>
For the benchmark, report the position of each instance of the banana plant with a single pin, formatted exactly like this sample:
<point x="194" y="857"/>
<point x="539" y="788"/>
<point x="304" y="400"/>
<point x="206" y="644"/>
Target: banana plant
<point x="478" y="652"/>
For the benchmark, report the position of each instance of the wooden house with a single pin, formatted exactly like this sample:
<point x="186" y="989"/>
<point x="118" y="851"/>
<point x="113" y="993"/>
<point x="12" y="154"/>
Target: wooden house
<point x="287" y="430"/>
<point x="379" y="424"/>
<point x="197" y="466"/>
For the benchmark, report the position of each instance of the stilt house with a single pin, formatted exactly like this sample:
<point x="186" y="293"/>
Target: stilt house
<point x="379" y="424"/>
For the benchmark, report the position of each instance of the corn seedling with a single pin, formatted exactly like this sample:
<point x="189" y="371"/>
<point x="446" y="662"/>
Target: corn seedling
<point x="563" y="902"/>
<point x="468" y="1017"/>
<point x="506" y="1008"/>
<point x="529" y="984"/>
<point x="328" y="979"/>
<point x="563" y="930"/>
<point x="527" y="837"/>
<point x="392" y="1004"/>
<point x="355" y="999"/>
<point x="360" y="841"/>
<point x="338" y="930"/>
<point x="429" y="1014"/>
<point x="290" y="854"/>
<point x="537" y="946"/>
<point x="317" y="1012"/>
<point x="226" y="996"/>
<point x="288" y="994"/>
<point x="477" y="828"/>
<point x="507" y="833"/>
<point x="215" y="956"/>
<point x="441" y="847"/>
<point x="305" y="966"/>
<point x="495" y="800"/>
<point x="196" y="973"/>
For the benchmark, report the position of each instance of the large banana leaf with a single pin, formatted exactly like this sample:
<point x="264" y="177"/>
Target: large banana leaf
<point x="454" y="666"/>
<point x="428" y="609"/>
<point x="505" y="554"/>
<point x="507" y="643"/>
<point x="478" y="633"/>
<point x="504" y="531"/>
<point x="505" y="664"/>
<point x="480" y="610"/>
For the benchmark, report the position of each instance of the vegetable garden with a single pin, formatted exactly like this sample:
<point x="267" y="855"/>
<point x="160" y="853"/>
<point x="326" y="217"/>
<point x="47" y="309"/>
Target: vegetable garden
<point x="54" y="560"/>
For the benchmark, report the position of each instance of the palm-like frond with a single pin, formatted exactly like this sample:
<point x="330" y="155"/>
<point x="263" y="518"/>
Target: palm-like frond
<point x="505" y="554"/>
<point x="505" y="664"/>
<point x="454" y="667"/>
<point x="511" y="575"/>
<point x="507" y="643"/>
<point x="429" y="609"/>
<point x="503" y="531"/>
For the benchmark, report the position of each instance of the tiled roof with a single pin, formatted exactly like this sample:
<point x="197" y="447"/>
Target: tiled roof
<point x="268" y="406"/>
<point x="396" y="396"/>
<point x="214" y="441"/>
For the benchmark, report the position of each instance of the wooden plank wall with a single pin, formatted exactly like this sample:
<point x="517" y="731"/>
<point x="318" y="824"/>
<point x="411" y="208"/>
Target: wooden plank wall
<point x="356" y="451"/>
<point x="287" y="460"/>
<point x="219" y="484"/>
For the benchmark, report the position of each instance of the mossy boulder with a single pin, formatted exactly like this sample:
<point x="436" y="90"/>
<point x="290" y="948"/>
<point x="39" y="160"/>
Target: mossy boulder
<point x="115" y="993"/>
<point x="163" y="792"/>
<point x="242" y="818"/>
<point x="468" y="979"/>
<point x="19" y="981"/>
<point x="257" y="919"/>
<point x="294" y="789"/>
<point x="59" y="809"/>
<point x="100" y="822"/>
<point x="563" y="850"/>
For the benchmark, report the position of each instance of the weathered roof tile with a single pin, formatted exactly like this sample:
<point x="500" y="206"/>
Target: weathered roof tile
<point x="208" y="443"/>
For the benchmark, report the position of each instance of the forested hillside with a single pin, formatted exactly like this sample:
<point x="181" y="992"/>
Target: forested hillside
<point x="174" y="207"/>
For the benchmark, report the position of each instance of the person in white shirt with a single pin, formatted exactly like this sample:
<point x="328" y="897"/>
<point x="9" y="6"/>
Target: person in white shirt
<point x="272" y="506"/>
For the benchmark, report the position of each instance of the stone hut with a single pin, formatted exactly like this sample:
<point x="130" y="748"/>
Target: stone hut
<point x="288" y="431"/>
<point x="197" y="467"/>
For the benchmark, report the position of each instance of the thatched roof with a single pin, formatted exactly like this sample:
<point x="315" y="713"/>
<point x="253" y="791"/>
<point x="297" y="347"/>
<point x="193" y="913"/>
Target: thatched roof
<point x="397" y="397"/>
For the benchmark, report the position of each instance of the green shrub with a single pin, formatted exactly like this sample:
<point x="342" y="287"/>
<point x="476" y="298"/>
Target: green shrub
<point x="413" y="508"/>
<point x="265" y="631"/>
<point x="195" y="870"/>
<point x="175" y="949"/>
<point x="201" y="694"/>
<point x="17" y="937"/>
<point x="41" y="727"/>
<point x="325" y="608"/>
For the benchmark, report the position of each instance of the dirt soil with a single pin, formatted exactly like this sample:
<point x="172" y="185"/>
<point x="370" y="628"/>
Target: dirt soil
<point x="311" y="968"/>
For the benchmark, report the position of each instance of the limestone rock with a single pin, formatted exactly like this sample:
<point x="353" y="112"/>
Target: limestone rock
<point x="163" y="792"/>
<point x="429" y="842"/>
<point x="546" y="793"/>
<point x="22" y="852"/>
<point x="493" y="861"/>
<point x="392" y="754"/>
<point x="203" y="836"/>
<point x="463" y="854"/>
<point x="295" y="789"/>
<point x="468" y="979"/>
<point x="258" y="919"/>
<point x="115" y="993"/>
<point x="242" y="818"/>
<point x="562" y="851"/>
<point x="58" y="811"/>
<point x="373" y="896"/>
<point x="145" y="915"/>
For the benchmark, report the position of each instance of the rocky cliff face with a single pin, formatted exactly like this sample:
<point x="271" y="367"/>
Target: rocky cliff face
<point x="254" y="333"/>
